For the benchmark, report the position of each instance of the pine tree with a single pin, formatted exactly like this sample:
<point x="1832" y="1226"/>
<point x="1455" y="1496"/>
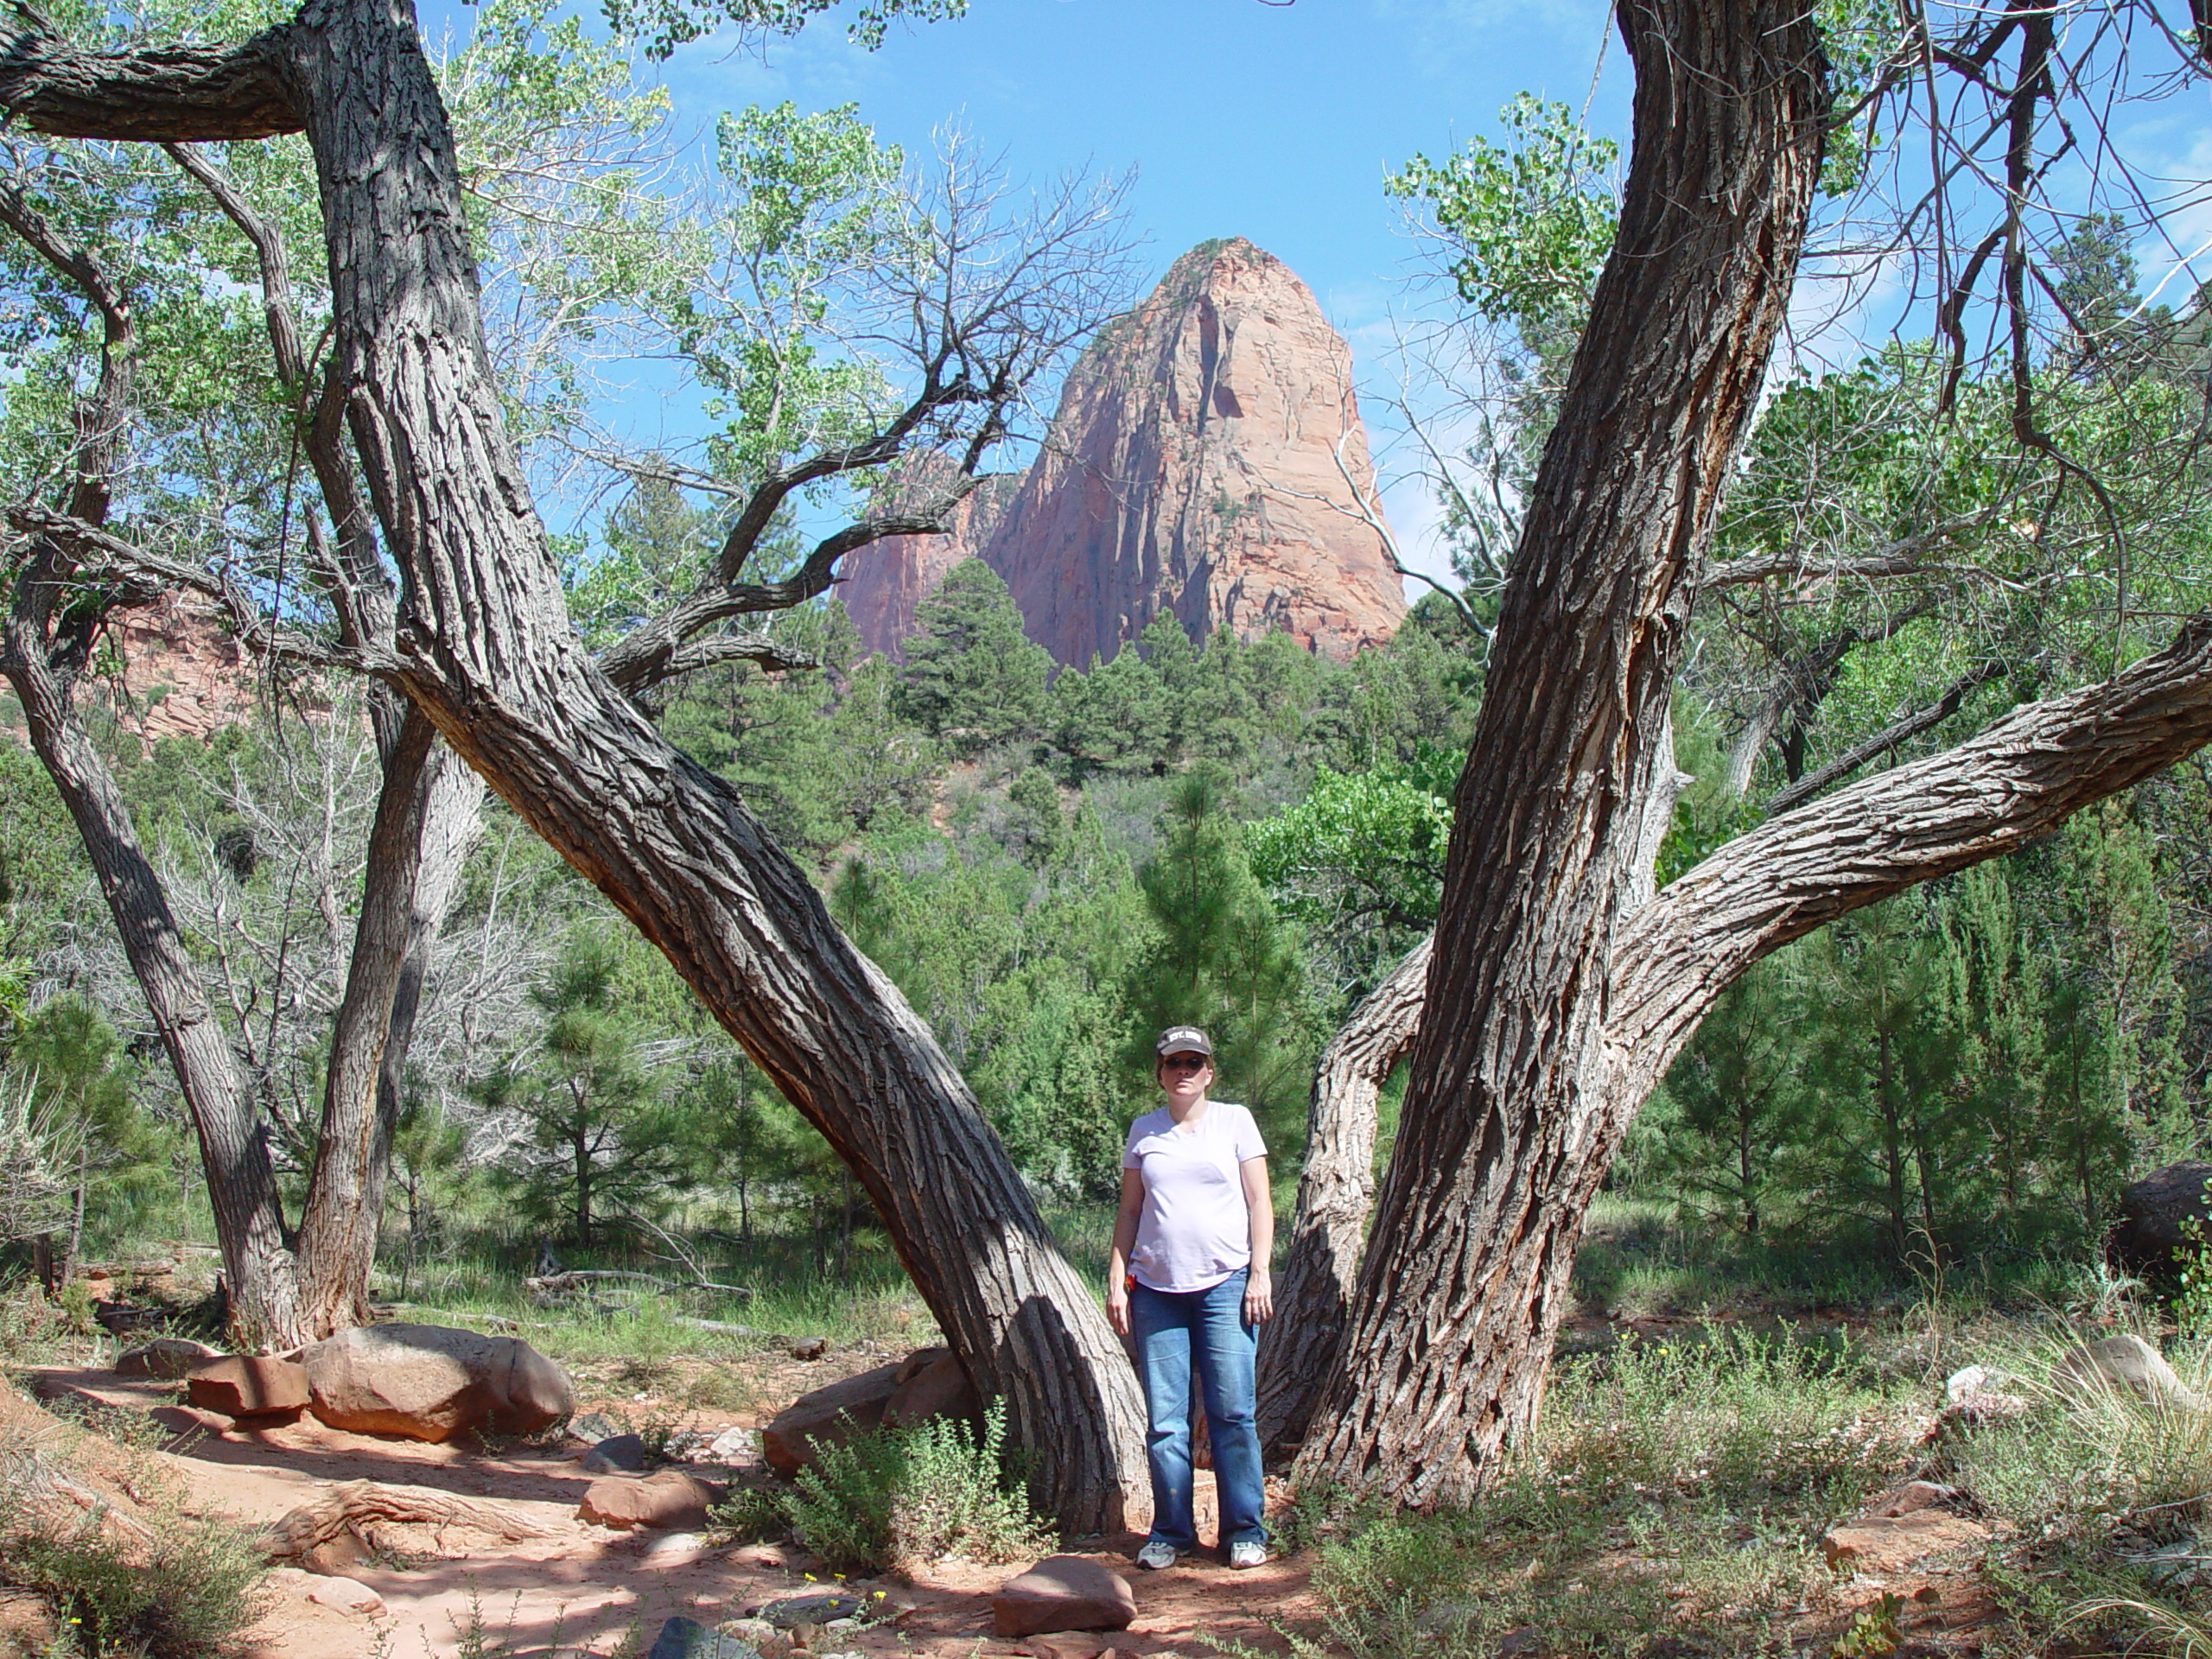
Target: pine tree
<point x="591" y="1098"/>
<point x="972" y="677"/>
<point x="1224" y="960"/>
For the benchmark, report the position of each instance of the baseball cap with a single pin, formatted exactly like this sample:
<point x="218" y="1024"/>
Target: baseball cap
<point x="1184" y="1039"/>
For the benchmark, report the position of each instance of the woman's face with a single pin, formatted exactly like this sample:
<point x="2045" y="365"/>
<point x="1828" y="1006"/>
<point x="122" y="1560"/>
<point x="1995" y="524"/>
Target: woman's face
<point x="1185" y="1076"/>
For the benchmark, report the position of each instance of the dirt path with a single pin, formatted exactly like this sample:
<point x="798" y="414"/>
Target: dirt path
<point x="580" y="1587"/>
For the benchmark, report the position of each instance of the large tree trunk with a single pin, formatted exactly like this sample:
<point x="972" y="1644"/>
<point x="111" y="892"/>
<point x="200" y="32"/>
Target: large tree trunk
<point x="486" y="651"/>
<point x="1335" y="1192"/>
<point x="1501" y="1141"/>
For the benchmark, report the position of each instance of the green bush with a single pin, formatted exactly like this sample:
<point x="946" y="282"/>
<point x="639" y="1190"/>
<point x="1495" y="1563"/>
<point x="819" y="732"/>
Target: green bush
<point x="902" y="1498"/>
<point x="184" y="1592"/>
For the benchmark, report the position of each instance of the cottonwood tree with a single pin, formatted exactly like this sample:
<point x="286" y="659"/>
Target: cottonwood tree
<point x="483" y="648"/>
<point x="1562" y="986"/>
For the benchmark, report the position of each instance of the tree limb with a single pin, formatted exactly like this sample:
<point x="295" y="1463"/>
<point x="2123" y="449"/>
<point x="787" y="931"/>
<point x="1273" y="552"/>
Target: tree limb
<point x="1896" y="732"/>
<point x="655" y="651"/>
<point x="2016" y="780"/>
<point x="156" y="94"/>
<point x="1900" y="558"/>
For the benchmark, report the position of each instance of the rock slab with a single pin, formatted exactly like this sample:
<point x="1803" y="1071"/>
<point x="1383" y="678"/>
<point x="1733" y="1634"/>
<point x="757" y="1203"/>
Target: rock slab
<point x="2123" y="1365"/>
<point x="1063" y="1592"/>
<point x="346" y="1595"/>
<point x="884" y="582"/>
<point x="810" y="1610"/>
<point x="248" y="1386"/>
<point x="1887" y="1544"/>
<point x="932" y="1383"/>
<point x="432" y="1382"/>
<point x="2152" y="1235"/>
<point x="827" y="1416"/>
<point x="1207" y="462"/>
<point x="671" y="1500"/>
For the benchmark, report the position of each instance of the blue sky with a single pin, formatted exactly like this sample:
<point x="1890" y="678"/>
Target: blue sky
<point x="1237" y="117"/>
<point x="1240" y="117"/>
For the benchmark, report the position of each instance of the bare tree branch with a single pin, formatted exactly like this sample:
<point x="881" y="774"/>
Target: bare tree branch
<point x="2016" y="779"/>
<point x="1897" y="731"/>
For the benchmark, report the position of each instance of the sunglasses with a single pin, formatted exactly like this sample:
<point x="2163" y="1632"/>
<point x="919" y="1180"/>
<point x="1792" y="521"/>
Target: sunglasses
<point x="1185" y="1062"/>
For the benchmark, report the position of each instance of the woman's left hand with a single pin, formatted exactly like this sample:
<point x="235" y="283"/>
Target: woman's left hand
<point x="1259" y="1298"/>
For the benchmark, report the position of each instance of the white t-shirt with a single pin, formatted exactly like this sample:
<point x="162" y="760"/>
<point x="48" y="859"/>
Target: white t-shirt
<point x="1195" y="1228"/>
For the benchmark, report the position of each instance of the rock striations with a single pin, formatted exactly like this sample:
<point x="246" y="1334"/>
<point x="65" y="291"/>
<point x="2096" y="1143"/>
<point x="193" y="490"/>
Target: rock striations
<point x="1193" y="468"/>
<point x="883" y="582"/>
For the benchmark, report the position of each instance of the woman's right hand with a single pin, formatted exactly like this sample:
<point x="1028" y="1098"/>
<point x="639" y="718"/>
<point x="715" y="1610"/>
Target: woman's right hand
<point x="1117" y="1307"/>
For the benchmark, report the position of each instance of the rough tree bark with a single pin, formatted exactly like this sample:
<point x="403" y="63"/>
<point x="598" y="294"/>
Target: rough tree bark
<point x="1495" y="1162"/>
<point x="1562" y="988"/>
<point x="485" y="650"/>
<point x="1335" y="1192"/>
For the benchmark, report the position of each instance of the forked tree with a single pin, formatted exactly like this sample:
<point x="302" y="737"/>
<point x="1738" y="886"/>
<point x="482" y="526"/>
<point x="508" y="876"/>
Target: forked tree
<point x="1559" y="985"/>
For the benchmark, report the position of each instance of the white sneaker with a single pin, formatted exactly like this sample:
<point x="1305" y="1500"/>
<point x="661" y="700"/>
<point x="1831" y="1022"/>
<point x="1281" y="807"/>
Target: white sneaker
<point x="1248" y="1553"/>
<point x="1156" y="1556"/>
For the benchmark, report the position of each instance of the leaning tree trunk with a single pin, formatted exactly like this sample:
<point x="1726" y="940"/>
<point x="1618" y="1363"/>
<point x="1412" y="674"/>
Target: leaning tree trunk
<point x="1336" y="1191"/>
<point x="484" y="648"/>
<point x="1494" y="1167"/>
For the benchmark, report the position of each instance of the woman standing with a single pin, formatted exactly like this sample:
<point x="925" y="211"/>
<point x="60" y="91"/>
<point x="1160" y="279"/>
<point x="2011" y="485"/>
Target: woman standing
<point x="1188" y="1280"/>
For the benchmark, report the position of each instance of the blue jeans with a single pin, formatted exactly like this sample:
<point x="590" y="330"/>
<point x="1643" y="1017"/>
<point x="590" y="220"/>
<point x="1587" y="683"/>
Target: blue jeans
<point x="1175" y="1332"/>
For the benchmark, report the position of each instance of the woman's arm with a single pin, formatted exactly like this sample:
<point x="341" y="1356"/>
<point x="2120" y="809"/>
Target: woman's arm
<point x="1117" y="1259"/>
<point x="1259" y="1287"/>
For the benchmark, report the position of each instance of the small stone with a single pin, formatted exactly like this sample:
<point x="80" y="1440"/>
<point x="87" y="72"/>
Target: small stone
<point x="734" y="1445"/>
<point x="618" y="1454"/>
<point x="809" y="1610"/>
<point x="249" y="1385"/>
<point x="1976" y="1397"/>
<point x="685" y="1446"/>
<point x="1912" y="1497"/>
<point x="752" y="1631"/>
<point x="687" y="1639"/>
<point x="167" y="1357"/>
<point x="346" y="1595"/>
<point x="1884" y="1544"/>
<point x="1077" y="1644"/>
<point x="1063" y="1592"/>
<point x="674" y="1548"/>
<point x="594" y="1426"/>
<point x="671" y="1500"/>
<point x="811" y="1348"/>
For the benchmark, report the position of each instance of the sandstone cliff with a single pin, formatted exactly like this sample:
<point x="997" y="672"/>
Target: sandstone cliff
<point x="883" y="582"/>
<point x="1192" y="469"/>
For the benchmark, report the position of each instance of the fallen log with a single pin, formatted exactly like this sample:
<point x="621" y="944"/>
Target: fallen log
<point x="359" y="1507"/>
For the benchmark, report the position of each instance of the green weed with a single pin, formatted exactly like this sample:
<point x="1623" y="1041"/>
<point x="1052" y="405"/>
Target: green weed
<point x="184" y="1590"/>
<point x="1671" y="1491"/>
<point x="900" y="1498"/>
